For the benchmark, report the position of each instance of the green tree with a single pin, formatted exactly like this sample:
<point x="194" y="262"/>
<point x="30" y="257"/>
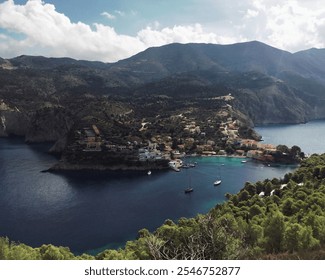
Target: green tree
<point x="4" y="248"/>
<point x="307" y="239"/>
<point x="251" y="188"/>
<point x="254" y="234"/>
<point x="273" y="232"/>
<point x="243" y="195"/>
<point x="287" y="207"/>
<point x="50" y="252"/>
<point x="255" y="210"/>
<point x="292" y="237"/>
<point x="268" y="188"/>
<point x="283" y="149"/>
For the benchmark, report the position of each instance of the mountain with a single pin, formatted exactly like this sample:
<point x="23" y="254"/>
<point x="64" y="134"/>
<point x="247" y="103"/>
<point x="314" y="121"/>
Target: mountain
<point x="241" y="57"/>
<point x="294" y="81"/>
<point x="269" y="85"/>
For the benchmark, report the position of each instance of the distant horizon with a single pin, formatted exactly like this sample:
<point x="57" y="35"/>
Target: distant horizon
<point x="110" y="31"/>
<point x="68" y="57"/>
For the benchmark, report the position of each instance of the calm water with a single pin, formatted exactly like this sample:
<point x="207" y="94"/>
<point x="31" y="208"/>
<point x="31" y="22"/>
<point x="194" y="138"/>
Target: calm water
<point x="309" y="137"/>
<point x="92" y="211"/>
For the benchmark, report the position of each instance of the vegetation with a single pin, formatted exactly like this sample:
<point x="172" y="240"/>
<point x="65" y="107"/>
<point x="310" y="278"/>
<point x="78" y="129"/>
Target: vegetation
<point x="273" y="219"/>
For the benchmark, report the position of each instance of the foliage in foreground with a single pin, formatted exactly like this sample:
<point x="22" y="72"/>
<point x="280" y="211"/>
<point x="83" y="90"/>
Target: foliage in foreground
<point x="273" y="219"/>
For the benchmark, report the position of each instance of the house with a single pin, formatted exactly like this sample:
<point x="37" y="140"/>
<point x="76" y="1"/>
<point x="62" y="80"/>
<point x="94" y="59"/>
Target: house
<point x="92" y="139"/>
<point x="240" y="152"/>
<point x="249" y="144"/>
<point x="255" y="154"/>
<point x="90" y="135"/>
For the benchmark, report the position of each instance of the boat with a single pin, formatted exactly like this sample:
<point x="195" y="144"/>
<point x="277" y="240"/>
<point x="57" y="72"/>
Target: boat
<point x="149" y="172"/>
<point x="243" y="161"/>
<point x="217" y="182"/>
<point x="188" y="190"/>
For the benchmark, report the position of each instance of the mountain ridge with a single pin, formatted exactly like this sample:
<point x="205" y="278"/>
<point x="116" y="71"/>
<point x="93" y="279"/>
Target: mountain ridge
<point x="269" y="85"/>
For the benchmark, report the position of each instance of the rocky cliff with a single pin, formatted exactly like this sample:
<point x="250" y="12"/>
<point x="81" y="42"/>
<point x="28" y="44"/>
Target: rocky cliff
<point x="49" y="124"/>
<point x="12" y="121"/>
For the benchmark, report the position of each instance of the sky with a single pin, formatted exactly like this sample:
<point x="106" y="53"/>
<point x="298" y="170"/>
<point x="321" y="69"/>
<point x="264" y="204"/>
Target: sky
<point x="111" y="30"/>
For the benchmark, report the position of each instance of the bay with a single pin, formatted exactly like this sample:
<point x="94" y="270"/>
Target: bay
<point x="308" y="136"/>
<point x="89" y="212"/>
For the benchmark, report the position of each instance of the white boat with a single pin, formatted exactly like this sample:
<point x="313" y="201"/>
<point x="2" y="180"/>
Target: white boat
<point x="149" y="172"/>
<point x="188" y="190"/>
<point x="216" y="183"/>
<point x="243" y="161"/>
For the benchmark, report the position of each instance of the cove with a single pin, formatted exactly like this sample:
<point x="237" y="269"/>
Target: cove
<point x="92" y="211"/>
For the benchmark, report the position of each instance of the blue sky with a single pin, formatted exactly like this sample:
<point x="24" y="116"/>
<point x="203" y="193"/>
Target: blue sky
<point x="109" y="30"/>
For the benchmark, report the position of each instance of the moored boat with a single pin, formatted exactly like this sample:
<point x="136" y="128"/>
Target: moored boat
<point x="217" y="182"/>
<point x="188" y="190"/>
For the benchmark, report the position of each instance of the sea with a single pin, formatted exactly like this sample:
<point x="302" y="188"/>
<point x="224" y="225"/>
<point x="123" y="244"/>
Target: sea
<point x="92" y="211"/>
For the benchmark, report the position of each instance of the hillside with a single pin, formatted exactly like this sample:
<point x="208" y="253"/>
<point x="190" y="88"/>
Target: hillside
<point x="268" y="85"/>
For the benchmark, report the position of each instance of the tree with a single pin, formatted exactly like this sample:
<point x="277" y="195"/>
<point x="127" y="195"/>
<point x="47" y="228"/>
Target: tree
<point x="317" y="223"/>
<point x="288" y="208"/>
<point x="251" y="188"/>
<point x="295" y="151"/>
<point x="268" y="188"/>
<point x="255" y="210"/>
<point x="307" y="239"/>
<point x="4" y="248"/>
<point x="273" y="232"/>
<point x="283" y="149"/>
<point x="15" y="251"/>
<point x="243" y="195"/>
<point x="254" y="234"/>
<point x="292" y="237"/>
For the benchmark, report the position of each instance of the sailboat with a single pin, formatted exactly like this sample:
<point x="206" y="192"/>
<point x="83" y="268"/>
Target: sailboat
<point x="218" y="181"/>
<point x="189" y="189"/>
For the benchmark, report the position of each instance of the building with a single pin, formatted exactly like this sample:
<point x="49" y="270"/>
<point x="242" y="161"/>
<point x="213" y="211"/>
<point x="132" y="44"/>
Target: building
<point x="92" y="139"/>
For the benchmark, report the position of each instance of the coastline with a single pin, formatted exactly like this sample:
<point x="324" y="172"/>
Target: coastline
<point x="64" y="166"/>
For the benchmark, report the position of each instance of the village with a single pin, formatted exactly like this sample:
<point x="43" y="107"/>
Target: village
<point x="194" y="139"/>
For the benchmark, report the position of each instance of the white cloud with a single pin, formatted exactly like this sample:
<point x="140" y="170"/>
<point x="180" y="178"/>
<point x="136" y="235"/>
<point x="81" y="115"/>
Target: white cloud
<point x="50" y="33"/>
<point x="292" y="25"/>
<point x="181" y="34"/>
<point x="108" y="15"/>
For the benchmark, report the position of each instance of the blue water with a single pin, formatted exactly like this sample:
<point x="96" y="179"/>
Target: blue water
<point x="92" y="211"/>
<point x="310" y="137"/>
